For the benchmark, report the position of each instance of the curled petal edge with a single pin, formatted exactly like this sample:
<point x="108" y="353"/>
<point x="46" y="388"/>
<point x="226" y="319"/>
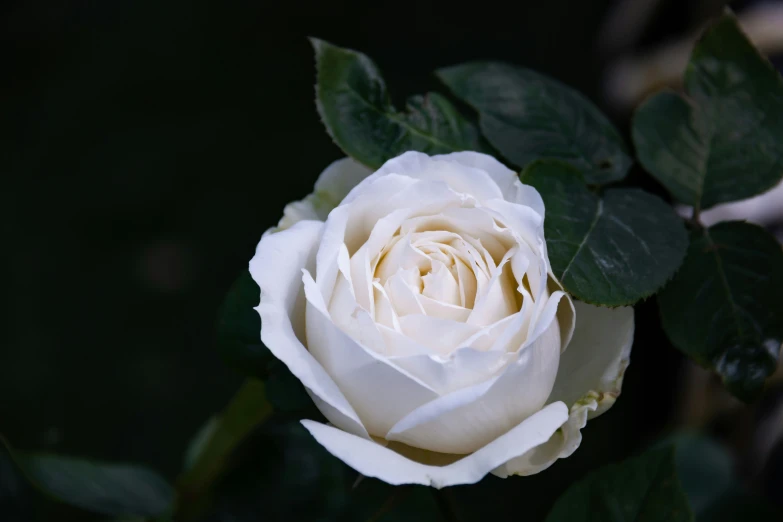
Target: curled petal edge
<point x="374" y="460"/>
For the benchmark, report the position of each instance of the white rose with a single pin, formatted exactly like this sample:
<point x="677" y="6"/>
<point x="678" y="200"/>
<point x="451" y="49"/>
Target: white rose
<point x="424" y="320"/>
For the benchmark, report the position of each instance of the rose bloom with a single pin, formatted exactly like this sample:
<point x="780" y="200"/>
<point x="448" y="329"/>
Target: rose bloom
<point x="417" y="306"/>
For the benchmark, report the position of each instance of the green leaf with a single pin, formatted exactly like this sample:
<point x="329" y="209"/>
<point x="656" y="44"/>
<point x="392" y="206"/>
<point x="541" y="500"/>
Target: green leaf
<point x="355" y="106"/>
<point x="724" y="140"/>
<point x="705" y="469"/>
<point x="104" y="488"/>
<point x="738" y="504"/>
<point x="611" y="250"/>
<point x="528" y="116"/>
<point x="723" y="308"/>
<point x="642" y="489"/>
<point x="238" y="333"/>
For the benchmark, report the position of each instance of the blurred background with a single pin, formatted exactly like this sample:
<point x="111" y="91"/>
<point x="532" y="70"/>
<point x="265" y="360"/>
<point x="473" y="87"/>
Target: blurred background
<point x="146" y="145"/>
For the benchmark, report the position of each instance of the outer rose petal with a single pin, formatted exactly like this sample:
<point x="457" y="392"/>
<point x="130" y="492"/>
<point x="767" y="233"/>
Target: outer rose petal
<point x="373" y="460"/>
<point x="597" y="357"/>
<point x="277" y="269"/>
<point x="467" y="177"/>
<point x="589" y="379"/>
<point x="507" y="180"/>
<point x="334" y="183"/>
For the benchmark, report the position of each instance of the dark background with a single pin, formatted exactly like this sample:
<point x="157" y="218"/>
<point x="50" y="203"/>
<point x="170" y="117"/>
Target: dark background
<point x="146" y="145"/>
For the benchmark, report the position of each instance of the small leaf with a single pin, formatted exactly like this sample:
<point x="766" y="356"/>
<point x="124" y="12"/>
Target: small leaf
<point x="609" y="251"/>
<point x="724" y="140"/>
<point x="238" y="333"/>
<point x="723" y="307"/>
<point x="104" y="488"/>
<point x="642" y="489"/>
<point x="355" y="106"/>
<point x="528" y="116"/>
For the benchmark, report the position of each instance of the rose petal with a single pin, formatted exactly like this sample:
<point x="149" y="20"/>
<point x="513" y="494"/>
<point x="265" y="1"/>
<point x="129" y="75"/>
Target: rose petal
<point x="597" y="356"/>
<point x="440" y="335"/>
<point x="366" y="379"/>
<point x="352" y="223"/>
<point x="590" y="379"/>
<point x="497" y="299"/>
<point x="442" y="310"/>
<point x="563" y="443"/>
<point x="400" y="254"/>
<point x="503" y="177"/>
<point x="384" y="312"/>
<point x="276" y="268"/>
<point x="470" y="223"/>
<point x="339" y="178"/>
<point x="461" y="177"/>
<point x="469" y="418"/>
<point x="403" y="293"/>
<point x="440" y="285"/>
<point x="523" y="221"/>
<point x="334" y="183"/>
<point x="373" y="460"/>
<point x="334" y="234"/>
<point x="462" y="368"/>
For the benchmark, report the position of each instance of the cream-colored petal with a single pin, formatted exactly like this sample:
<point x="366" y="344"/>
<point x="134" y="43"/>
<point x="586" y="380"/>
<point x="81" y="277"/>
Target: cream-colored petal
<point x="469" y="418"/>
<point x="402" y="289"/>
<point x="443" y="310"/>
<point x="497" y="300"/>
<point x="462" y="368"/>
<point x="440" y="335"/>
<point x="504" y="178"/>
<point x="440" y="285"/>
<point x="461" y="177"/>
<point x="373" y="460"/>
<point x="400" y="254"/>
<point x="338" y="179"/>
<point x="590" y="379"/>
<point x="336" y="234"/>
<point x="562" y="444"/>
<point x="596" y="358"/>
<point x="380" y="393"/>
<point x="276" y="268"/>
<point x="334" y="183"/>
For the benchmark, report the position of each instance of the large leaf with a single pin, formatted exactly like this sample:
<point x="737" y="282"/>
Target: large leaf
<point x="105" y="488"/>
<point x="239" y="329"/>
<point x="642" y="489"/>
<point x="706" y="472"/>
<point x="739" y="504"/>
<point x="705" y="469"/>
<point x="356" y="108"/>
<point x="528" y="116"/>
<point x="724" y="140"/>
<point x="724" y="306"/>
<point x="611" y="250"/>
